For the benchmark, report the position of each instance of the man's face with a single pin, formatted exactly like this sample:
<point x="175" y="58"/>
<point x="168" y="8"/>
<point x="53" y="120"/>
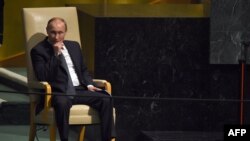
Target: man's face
<point x="56" y="31"/>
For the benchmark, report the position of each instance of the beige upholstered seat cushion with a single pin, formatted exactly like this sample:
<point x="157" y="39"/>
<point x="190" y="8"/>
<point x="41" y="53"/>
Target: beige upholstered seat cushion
<point x="79" y="114"/>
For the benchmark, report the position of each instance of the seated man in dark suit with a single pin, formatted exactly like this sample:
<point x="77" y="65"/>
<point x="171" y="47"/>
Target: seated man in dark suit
<point x="60" y="62"/>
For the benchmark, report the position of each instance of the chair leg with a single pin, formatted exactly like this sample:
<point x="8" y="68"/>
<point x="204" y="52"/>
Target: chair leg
<point x="32" y="133"/>
<point x="52" y="130"/>
<point x="81" y="134"/>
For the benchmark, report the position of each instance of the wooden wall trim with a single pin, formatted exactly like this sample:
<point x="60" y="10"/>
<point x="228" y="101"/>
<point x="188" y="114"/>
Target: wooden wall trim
<point x="17" y="60"/>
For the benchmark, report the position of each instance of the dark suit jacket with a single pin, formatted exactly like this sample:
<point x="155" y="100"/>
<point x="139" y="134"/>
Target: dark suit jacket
<point x="48" y="67"/>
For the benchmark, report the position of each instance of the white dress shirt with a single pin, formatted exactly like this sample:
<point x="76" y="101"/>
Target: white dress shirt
<point x="71" y="68"/>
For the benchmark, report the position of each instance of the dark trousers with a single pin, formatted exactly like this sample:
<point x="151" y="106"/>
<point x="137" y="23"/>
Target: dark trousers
<point x="99" y="101"/>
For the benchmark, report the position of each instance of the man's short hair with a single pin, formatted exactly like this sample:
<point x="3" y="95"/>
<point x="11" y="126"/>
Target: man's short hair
<point x="57" y="18"/>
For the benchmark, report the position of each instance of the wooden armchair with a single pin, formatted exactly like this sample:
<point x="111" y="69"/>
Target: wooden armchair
<point x="35" y="21"/>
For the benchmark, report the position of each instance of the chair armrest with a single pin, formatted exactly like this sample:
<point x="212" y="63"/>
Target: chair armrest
<point x="103" y="84"/>
<point x="45" y="86"/>
<point x="37" y="84"/>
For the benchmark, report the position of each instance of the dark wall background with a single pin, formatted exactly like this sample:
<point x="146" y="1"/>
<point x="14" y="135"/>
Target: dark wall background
<point x="180" y="74"/>
<point x="165" y="58"/>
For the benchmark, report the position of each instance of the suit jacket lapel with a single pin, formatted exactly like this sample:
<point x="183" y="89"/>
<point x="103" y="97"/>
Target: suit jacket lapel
<point x="72" y="54"/>
<point x="49" y="48"/>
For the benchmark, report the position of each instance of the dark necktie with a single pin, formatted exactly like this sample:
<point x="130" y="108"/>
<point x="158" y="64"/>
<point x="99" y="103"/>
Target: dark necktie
<point x="71" y="88"/>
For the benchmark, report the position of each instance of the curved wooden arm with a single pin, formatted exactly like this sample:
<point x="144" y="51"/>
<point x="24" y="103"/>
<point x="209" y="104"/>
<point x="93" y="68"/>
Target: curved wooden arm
<point x="103" y="84"/>
<point x="48" y="91"/>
